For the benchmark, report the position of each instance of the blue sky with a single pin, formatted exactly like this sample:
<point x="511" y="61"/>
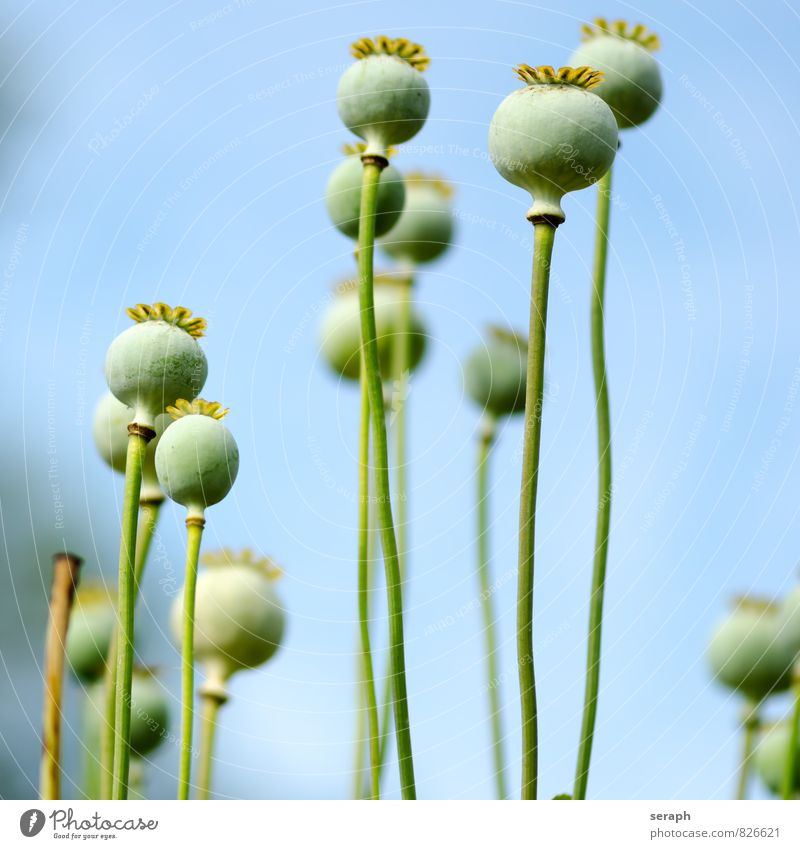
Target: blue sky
<point x="179" y="152"/>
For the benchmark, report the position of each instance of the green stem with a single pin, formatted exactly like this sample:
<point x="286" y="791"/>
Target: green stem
<point x="373" y="166"/>
<point x="66" y="571"/>
<point x="148" y="518"/>
<point x="137" y="446"/>
<point x="368" y="685"/>
<point x="543" y="238"/>
<point x="91" y="762"/>
<point x="210" y="703"/>
<point x="487" y="606"/>
<point x="194" y="535"/>
<point x="604" y="489"/>
<point x="750" y="725"/>
<point x="789" y="787"/>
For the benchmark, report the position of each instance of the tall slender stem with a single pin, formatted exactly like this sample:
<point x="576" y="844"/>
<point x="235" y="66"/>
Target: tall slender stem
<point x="148" y="518"/>
<point x="194" y="535"/>
<point x="604" y="488"/>
<point x="66" y="571"/>
<point x="373" y="166"/>
<point x="789" y="788"/>
<point x="210" y="702"/>
<point x="370" y="704"/>
<point x="487" y="606"/>
<point x="749" y="728"/>
<point x="137" y="446"/>
<point x="543" y="238"/>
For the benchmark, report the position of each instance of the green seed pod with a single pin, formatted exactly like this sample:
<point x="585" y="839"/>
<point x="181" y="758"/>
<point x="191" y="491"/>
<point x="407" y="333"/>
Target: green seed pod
<point x="340" y="331"/>
<point x="197" y="458"/>
<point x="343" y="195"/>
<point x="425" y="228"/>
<point x="149" y="713"/>
<point x="238" y="619"/>
<point x="110" y="431"/>
<point x="92" y="623"/>
<point x="383" y="98"/>
<point x="790" y="621"/>
<point x="553" y="136"/>
<point x="494" y="374"/>
<point x="746" y="652"/>
<point x="155" y="362"/>
<point x="631" y="83"/>
<point x="771" y="757"/>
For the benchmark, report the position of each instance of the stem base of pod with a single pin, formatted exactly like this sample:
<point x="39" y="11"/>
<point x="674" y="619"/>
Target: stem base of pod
<point x="212" y="698"/>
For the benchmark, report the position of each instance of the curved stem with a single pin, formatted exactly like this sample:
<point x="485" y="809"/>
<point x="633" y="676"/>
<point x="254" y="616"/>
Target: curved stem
<point x="604" y="489"/>
<point x="148" y="518"/>
<point x="137" y="446"/>
<point x="749" y="726"/>
<point x="368" y="688"/>
<point x="210" y="703"/>
<point x="543" y="238"/>
<point x="194" y="535"/>
<point x="484" y="578"/>
<point x="66" y="571"/>
<point x="789" y="787"/>
<point x="366" y="245"/>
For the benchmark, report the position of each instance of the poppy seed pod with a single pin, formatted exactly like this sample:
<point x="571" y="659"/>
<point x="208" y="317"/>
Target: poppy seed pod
<point x="155" y="362"/>
<point x="425" y="228"/>
<point x="149" y="713"/>
<point x="790" y="621"/>
<point x="340" y="331"/>
<point x="746" y="652"/>
<point x="631" y="83"/>
<point x="110" y="431"/>
<point x="238" y="618"/>
<point x="771" y="757"/>
<point x="553" y="136"/>
<point x="92" y="623"/>
<point x="383" y="98"/>
<point x="343" y="195"/>
<point x="197" y="458"/>
<point x="494" y="374"/>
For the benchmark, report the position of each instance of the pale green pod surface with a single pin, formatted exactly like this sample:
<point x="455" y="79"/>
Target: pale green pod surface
<point x="790" y="621"/>
<point x="340" y="331"/>
<point x="552" y="137"/>
<point x="239" y="620"/>
<point x="494" y="374"/>
<point x="343" y="197"/>
<point x="110" y="431"/>
<point x="383" y="98"/>
<point x="151" y="365"/>
<point x="771" y="757"/>
<point x="91" y="629"/>
<point x="747" y="654"/>
<point x="425" y="228"/>
<point x="197" y="460"/>
<point x="149" y="713"/>
<point x="631" y="84"/>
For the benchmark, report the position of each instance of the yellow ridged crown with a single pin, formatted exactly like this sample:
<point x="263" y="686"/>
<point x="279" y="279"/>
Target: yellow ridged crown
<point x="179" y="316"/>
<point x="198" y="407"/>
<point x="622" y="29"/>
<point x="583" y="77"/>
<point x="404" y="49"/>
<point x="442" y="186"/>
<point x="245" y="557"/>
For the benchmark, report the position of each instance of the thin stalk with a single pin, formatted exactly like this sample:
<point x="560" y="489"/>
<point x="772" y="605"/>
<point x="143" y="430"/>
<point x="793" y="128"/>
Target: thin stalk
<point x="750" y="726"/>
<point x="91" y="762"/>
<point x="373" y="166"/>
<point x="368" y="685"/>
<point x="543" y="238"/>
<point x="194" y="535"/>
<point x="210" y="703"/>
<point x="604" y="488"/>
<point x="66" y="571"/>
<point x="137" y="446"/>
<point x="148" y="518"/>
<point x="789" y="787"/>
<point x="487" y="606"/>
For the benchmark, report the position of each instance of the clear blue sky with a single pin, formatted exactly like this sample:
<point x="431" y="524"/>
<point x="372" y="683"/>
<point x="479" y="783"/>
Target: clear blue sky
<point x="179" y="152"/>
